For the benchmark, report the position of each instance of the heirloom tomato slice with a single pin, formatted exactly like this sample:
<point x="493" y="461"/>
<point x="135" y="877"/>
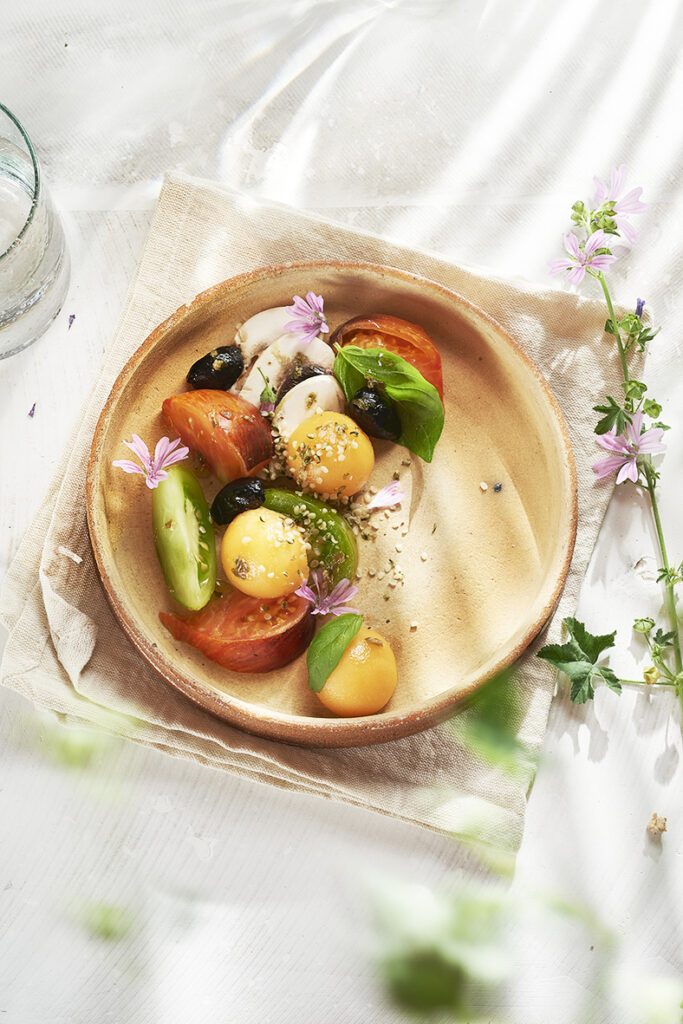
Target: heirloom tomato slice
<point x="228" y="432"/>
<point x="247" y="634"/>
<point x="407" y="340"/>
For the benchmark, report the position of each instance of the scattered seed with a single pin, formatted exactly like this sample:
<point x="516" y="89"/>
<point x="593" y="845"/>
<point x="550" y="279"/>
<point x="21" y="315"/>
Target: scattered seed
<point x="497" y="487"/>
<point x="413" y="627"/>
<point x="399" y="547"/>
<point x="483" y="486"/>
<point x="423" y="556"/>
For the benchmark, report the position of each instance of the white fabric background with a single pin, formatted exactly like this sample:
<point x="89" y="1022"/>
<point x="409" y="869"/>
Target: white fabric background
<point x="467" y="128"/>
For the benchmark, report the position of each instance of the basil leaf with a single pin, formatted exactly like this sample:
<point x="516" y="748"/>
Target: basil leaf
<point x="327" y="647"/>
<point x="417" y="402"/>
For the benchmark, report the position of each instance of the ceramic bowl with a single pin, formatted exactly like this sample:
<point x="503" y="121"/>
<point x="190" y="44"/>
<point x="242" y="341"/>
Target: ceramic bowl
<point x="484" y="566"/>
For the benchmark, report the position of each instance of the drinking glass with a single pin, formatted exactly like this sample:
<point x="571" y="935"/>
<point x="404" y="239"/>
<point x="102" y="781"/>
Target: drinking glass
<point x="34" y="262"/>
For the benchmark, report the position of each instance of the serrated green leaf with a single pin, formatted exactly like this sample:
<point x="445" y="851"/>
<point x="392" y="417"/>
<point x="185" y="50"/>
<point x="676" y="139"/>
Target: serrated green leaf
<point x="327" y="647"/>
<point x="592" y="645"/>
<point x="614" y="417"/>
<point x="577" y="658"/>
<point x="662" y="639"/>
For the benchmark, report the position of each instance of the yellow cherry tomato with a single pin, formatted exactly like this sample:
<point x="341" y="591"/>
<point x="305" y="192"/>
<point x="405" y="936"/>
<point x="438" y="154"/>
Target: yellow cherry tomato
<point x="264" y="554"/>
<point x="364" y="679"/>
<point x="331" y="455"/>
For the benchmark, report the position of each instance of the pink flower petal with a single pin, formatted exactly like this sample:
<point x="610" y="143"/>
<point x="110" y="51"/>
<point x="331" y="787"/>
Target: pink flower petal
<point x="629" y="471"/>
<point x="605" y="467"/>
<point x="571" y="244"/>
<point x="625" y="228"/>
<point x="390" y="495"/>
<point x="600" y="191"/>
<point x="558" y="266"/>
<point x="651" y="442"/>
<point x="128" y="467"/>
<point x="631" y="203"/>
<point x="138" y="446"/>
<point x="576" y="275"/>
<point x="594" y="241"/>
<point x="617" y="180"/>
<point x="161" y="451"/>
<point x="612" y="442"/>
<point x="602" y="262"/>
<point x="634" y="428"/>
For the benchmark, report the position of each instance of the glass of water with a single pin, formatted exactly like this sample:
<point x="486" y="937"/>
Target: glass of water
<point x="34" y="262"/>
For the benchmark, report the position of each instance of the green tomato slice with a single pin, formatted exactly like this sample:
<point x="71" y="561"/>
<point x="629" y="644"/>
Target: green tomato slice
<point x="333" y="543"/>
<point x="184" y="538"/>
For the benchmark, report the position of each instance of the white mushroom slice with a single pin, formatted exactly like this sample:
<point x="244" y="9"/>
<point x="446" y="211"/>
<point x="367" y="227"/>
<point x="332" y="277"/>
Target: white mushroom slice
<point x="262" y="330"/>
<point x="308" y="397"/>
<point x="277" y="361"/>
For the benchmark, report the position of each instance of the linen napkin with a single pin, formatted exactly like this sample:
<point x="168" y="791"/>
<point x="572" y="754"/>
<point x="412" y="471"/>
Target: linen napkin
<point x="67" y="653"/>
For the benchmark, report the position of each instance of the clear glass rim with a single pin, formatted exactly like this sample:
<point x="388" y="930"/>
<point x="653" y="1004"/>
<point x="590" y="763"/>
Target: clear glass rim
<point x="36" y="176"/>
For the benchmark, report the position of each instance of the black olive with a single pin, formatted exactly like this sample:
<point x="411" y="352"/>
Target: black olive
<point x="300" y="371"/>
<point x="218" y="369"/>
<point x="375" y="414"/>
<point x="237" y="496"/>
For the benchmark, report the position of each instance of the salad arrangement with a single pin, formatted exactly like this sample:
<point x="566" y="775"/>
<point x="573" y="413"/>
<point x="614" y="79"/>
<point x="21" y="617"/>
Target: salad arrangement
<point x="287" y="418"/>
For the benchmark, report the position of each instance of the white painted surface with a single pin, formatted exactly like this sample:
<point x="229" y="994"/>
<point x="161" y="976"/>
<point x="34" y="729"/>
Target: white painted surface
<point x="466" y="127"/>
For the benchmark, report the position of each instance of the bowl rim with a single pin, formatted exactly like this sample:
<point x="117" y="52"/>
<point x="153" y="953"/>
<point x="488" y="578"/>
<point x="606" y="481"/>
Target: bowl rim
<point x="283" y="726"/>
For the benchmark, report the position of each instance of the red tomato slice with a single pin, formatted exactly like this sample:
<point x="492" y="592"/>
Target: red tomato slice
<point x="405" y="339"/>
<point x="228" y="432"/>
<point x="247" y="634"/>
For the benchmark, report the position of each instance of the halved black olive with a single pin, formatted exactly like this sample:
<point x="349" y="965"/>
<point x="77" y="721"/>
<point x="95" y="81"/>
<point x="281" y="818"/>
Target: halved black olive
<point x="300" y="371"/>
<point x="375" y="414"/>
<point x="218" y="369"/>
<point x="237" y="496"/>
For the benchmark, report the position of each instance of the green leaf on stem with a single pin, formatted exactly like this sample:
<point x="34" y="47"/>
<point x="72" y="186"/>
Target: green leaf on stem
<point x="647" y="334"/>
<point x="577" y="659"/>
<point x="670" y="576"/>
<point x="662" y="639"/>
<point x="613" y="416"/>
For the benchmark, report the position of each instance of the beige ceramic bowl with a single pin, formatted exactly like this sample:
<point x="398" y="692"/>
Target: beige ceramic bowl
<point x="496" y="560"/>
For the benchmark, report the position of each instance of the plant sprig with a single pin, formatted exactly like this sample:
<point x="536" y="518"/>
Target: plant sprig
<point x="621" y="432"/>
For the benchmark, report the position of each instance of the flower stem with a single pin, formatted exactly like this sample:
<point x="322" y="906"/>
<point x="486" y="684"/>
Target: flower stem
<point x="617" y="335"/>
<point x="670" y="595"/>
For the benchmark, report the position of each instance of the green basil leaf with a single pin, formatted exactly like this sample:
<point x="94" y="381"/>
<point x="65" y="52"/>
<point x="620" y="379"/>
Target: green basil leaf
<point x="327" y="647"/>
<point x="417" y="402"/>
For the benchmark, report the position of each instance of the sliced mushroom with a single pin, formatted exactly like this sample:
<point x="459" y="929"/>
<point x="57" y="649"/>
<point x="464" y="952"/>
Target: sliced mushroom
<point x="277" y="361"/>
<point x="317" y="394"/>
<point x="262" y="330"/>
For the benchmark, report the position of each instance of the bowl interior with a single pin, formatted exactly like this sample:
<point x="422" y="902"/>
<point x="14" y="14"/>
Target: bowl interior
<point x="483" y="567"/>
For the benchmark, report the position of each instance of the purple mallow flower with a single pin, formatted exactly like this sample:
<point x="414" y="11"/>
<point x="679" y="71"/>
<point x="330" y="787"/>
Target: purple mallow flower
<point x="154" y="469"/>
<point x="623" y="207"/>
<point x="390" y="495"/>
<point x="640" y="306"/>
<point x="324" y="603"/>
<point x="581" y="259"/>
<point x="626" y="448"/>
<point x="309" y="320"/>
